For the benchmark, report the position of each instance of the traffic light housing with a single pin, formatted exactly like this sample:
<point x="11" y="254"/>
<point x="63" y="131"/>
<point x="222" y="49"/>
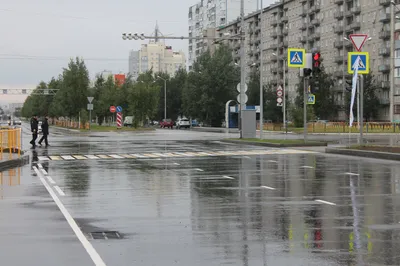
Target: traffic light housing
<point x="316" y="62"/>
<point x="349" y="85"/>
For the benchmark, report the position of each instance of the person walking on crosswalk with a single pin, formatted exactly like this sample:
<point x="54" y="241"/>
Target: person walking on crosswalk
<point x="34" y="130"/>
<point x="45" y="132"/>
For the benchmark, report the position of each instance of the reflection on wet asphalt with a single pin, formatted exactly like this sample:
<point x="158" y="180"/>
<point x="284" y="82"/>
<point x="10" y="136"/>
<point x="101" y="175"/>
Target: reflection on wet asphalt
<point x="272" y="209"/>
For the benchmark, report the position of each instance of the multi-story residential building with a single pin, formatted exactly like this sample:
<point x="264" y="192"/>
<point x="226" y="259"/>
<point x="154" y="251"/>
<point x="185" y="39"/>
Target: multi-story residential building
<point x="156" y="56"/>
<point x="325" y="26"/>
<point x="208" y="15"/>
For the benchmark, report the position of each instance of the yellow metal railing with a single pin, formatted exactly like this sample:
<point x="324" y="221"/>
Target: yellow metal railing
<point x="10" y="142"/>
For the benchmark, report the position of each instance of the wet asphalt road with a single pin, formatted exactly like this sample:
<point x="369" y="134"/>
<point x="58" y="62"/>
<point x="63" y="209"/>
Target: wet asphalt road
<point x="174" y="198"/>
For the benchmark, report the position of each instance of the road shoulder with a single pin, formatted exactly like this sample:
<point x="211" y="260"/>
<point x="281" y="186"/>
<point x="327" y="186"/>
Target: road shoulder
<point x="364" y="153"/>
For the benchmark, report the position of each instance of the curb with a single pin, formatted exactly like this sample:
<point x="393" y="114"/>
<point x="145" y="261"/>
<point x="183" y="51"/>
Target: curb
<point x="278" y="145"/>
<point x="367" y="154"/>
<point x="66" y="129"/>
<point x="23" y="160"/>
<point x="214" y="130"/>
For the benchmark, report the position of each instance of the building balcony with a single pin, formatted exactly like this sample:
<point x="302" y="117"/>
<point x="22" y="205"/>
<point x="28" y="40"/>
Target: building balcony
<point x="338" y="14"/>
<point x="339" y="2"/>
<point x="274" y="34"/>
<point x="274" y="22"/>
<point x="338" y="29"/>
<point x="284" y="19"/>
<point x="384" y="2"/>
<point x="348" y="13"/>
<point x="303" y="26"/>
<point x="274" y="69"/>
<point x="315" y="8"/>
<point x="285" y="32"/>
<point x="386" y="84"/>
<point x="338" y="59"/>
<point x="338" y="44"/>
<point x="274" y="58"/>
<point x="384" y="18"/>
<point x="384" y="34"/>
<point x="285" y="44"/>
<point x="274" y="81"/>
<point x="384" y="68"/>
<point x="273" y="46"/>
<point x="303" y="1"/>
<point x="303" y="39"/>
<point x="384" y="101"/>
<point x="317" y="35"/>
<point x="315" y="22"/>
<point x="384" y="51"/>
<point x="303" y="12"/>
<point x="348" y="44"/>
<point x="356" y="10"/>
<point x="355" y="25"/>
<point x="338" y="74"/>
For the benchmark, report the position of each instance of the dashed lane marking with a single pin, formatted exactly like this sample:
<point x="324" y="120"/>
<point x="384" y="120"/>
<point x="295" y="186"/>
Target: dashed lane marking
<point x="158" y="155"/>
<point x="266" y="187"/>
<point x="325" y="202"/>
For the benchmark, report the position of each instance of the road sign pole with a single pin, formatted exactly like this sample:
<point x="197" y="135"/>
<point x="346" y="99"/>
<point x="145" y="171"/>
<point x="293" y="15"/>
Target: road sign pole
<point x="305" y="81"/>
<point x="284" y="97"/>
<point x="361" y="86"/>
<point x="90" y="118"/>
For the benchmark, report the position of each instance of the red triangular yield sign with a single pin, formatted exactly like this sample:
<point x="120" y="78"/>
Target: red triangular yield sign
<point x="358" y="40"/>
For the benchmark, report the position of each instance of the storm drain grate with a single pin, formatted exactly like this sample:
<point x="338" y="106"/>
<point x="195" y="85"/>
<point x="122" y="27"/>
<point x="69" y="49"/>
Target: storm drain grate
<point x="105" y="235"/>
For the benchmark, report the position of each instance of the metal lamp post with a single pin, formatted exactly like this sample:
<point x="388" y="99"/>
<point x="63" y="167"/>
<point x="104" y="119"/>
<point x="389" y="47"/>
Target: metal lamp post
<point x="261" y="76"/>
<point x="165" y="96"/>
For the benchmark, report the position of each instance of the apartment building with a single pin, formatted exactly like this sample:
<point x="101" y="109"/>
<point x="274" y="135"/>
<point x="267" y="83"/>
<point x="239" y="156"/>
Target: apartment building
<point x="208" y="15"/>
<point x="323" y="26"/>
<point x="158" y="57"/>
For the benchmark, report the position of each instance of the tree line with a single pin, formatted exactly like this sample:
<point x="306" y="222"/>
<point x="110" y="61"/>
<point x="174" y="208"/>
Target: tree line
<point x="200" y="94"/>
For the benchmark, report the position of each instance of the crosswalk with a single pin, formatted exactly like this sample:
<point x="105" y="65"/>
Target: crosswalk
<point x="155" y="155"/>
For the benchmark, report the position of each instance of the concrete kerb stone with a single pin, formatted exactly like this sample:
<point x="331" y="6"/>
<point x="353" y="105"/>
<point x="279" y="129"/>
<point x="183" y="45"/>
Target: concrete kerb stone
<point x="15" y="162"/>
<point x="277" y="145"/>
<point x="367" y="154"/>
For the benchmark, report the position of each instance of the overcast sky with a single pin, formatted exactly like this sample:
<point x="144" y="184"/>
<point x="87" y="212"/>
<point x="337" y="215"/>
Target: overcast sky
<point x="56" y="30"/>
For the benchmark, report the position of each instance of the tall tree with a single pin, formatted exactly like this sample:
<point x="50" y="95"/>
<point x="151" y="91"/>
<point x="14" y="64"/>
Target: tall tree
<point x="174" y="94"/>
<point x="253" y="91"/>
<point x="210" y="85"/>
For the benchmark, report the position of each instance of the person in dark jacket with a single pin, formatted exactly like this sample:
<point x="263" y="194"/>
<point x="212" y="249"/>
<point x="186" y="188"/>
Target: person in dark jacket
<point x="34" y="129"/>
<point x="45" y="132"/>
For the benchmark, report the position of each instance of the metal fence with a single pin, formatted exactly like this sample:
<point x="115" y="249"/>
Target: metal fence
<point x="11" y="142"/>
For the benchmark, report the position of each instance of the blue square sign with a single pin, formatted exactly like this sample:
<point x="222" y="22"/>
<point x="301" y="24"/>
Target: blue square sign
<point x="296" y="57"/>
<point x="363" y="62"/>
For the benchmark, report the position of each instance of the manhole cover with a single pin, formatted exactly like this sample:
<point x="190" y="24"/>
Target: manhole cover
<point x="105" y="235"/>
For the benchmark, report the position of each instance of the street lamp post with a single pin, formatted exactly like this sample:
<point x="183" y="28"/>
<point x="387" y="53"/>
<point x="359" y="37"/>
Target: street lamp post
<point x="261" y="76"/>
<point x="165" y="96"/>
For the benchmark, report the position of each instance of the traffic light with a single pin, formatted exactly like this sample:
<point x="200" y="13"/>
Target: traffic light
<point x="316" y="62"/>
<point x="349" y="84"/>
<point x="307" y="72"/>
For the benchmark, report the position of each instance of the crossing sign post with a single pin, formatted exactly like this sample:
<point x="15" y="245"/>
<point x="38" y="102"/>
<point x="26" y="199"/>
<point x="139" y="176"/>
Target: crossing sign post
<point x="296" y="57"/>
<point x="363" y="65"/>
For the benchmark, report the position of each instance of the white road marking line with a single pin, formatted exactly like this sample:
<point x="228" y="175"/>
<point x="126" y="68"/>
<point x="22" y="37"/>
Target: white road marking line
<point x="161" y="154"/>
<point x="198" y="169"/>
<point x="247" y="157"/>
<point x="50" y="179"/>
<point x="40" y="166"/>
<point x="92" y="157"/>
<point x="228" y="177"/>
<point x="183" y="154"/>
<point x="67" y="157"/>
<point x="177" y="164"/>
<point x="307" y="167"/>
<point x="59" y="190"/>
<point x="116" y="156"/>
<point x="55" y="158"/>
<point x="43" y="158"/>
<point x="98" y="261"/>
<point x="80" y="157"/>
<point x="348" y="173"/>
<point x="272" y="161"/>
<point x="326" y="202"/>
<point x="271" y="188"/>
<point x="43" y="171"/>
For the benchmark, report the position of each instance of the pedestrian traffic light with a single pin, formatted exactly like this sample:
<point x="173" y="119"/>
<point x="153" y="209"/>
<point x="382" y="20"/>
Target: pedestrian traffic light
<point x="316" y="62"/>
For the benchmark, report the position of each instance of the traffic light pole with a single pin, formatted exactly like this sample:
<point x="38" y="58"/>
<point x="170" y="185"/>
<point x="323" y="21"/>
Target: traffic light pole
<point x="305" y="84"/>
<point x="361" y="91"/>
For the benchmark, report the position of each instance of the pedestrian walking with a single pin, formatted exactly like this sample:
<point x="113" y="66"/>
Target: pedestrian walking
<point x="45" y="132"/>
<point x="34" y="129"/>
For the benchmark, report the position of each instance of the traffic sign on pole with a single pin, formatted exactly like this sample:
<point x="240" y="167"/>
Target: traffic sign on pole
<point x="238" y="87"/>
<point x="363" y="63"/>
<point x="279" y="94"/>
<point x="90" y="99"/>
<point x="119" y="109"/>
<point x="119" y="119"/>
<point x="358" y="40"/>
<point x="90" y="106"/>
<point x="296" y="57"/>
<point x="112" y="109"/>
<point x="311" y="99"/>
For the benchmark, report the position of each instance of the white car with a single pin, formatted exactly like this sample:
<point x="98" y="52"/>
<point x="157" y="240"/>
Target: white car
<point x="183" y="122"/>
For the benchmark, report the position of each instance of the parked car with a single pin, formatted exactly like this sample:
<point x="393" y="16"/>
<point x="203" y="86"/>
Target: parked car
<point x="183" y="123"/>
<point x="128" y="121"/>
<point x="18" y="122"/>
<point x="195" y="123"/>
<point x="167" y="123"/>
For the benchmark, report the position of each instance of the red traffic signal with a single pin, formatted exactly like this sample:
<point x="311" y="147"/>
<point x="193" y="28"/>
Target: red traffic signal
<point x="317" y="56"/>
<point x="316" y="60"/>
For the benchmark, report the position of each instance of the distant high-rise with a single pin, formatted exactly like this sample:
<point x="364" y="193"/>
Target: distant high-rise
<point x="156" y="56"/>
<point x="207" y="16"/>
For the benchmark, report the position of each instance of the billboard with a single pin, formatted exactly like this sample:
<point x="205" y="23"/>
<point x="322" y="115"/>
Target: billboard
<point x="119" y="79"/>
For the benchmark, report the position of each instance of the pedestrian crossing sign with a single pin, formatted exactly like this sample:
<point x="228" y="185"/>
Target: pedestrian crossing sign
<point x="296" y="57"/>
<point x="363" y="63"/>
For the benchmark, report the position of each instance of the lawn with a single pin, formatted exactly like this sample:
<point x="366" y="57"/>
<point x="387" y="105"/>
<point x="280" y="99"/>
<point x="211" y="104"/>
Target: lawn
<point x="277" y="141"/>
<point x="378" y="148"/>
